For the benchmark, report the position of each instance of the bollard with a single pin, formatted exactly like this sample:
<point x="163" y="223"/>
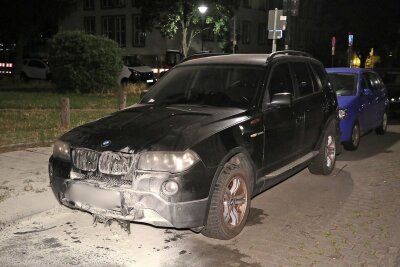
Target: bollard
<point x="65" y="112"/>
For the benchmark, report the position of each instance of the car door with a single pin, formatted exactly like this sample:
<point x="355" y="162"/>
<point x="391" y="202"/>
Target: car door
<point x="308" y="104"/>
<point x="366" y="117"/>
<point x="282" y="127"/>
<point x="380" y="98"/>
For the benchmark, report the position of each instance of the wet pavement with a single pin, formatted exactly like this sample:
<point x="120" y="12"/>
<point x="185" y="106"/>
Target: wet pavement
<point x="350" y="218"/>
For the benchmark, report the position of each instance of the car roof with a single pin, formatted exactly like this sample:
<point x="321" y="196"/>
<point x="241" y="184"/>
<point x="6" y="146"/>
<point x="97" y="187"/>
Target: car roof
<point x="239" y="59"/>
<point x="244" y="59"/>
<point x="348" y="70"/>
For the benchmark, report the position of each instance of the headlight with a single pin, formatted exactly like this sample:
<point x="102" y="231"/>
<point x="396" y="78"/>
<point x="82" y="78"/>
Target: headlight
<point x="61" y="150"/>
<point x="167" y="161"/>
<point x="342" y="113"/>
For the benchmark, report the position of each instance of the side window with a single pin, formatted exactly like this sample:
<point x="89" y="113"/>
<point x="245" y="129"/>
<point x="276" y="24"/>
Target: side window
<point x="302" y="78"/>
<point x="36" y="64"/>
<point x="320" y="73"/>
<point x="280" y="81"/>
<point x="366" y="82"/>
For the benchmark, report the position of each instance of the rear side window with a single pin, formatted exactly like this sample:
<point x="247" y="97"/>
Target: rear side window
<point x="302" y="78"/>
<point x="280" y="81"/>
<point x="376" y="81"/>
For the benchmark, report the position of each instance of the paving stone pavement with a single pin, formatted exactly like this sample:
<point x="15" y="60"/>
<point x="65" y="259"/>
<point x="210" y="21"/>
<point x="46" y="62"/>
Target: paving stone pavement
<point x="349" y="218"/>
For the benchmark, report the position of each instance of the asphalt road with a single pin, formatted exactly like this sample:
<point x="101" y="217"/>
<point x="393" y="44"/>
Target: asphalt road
<point x="350" y="218"/>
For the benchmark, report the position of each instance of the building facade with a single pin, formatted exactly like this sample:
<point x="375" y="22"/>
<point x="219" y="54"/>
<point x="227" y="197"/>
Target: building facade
<point x="120" y="20"/>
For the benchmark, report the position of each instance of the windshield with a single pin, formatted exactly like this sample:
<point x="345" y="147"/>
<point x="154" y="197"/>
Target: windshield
<point x="132" y="61"/>
<point x="344" y="84"/>
<point x="213" y="85"/>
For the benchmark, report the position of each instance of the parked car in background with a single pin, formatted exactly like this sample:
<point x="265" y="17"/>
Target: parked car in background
<point x="134" y="71"/>
<point x="363" y="103"/>
<point x="210" y="135"/>
<point x="391" y="78"/>
<point x="35" y="69"/>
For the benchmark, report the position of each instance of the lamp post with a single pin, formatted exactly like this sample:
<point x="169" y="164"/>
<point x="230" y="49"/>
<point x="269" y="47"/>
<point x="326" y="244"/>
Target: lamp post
<point x="202" y="9"/>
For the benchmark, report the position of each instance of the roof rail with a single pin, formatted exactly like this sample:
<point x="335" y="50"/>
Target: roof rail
<point x="289" y="52"/>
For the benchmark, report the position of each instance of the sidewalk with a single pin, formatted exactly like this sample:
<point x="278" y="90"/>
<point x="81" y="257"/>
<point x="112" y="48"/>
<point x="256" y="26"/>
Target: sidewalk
<point x="24" y="184"/>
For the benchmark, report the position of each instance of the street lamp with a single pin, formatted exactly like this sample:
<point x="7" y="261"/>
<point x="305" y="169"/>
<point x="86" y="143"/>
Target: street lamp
<point x="202" y="9"/>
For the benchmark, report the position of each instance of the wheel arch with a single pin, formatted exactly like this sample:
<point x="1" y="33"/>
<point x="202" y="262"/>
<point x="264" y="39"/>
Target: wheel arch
<point x="331" y="119"/>
<point x="245" y="156"/>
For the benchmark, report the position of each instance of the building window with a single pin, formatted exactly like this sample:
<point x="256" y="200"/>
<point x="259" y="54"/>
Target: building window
<point x="246" y="34"/>
<point x="113" y="27"/>
<point x="262" y="33"/>
<point x="246" y="3"/>
<point x="262" y="4"/>
<point x="88" y="4"/>
<point x="138" y="35"/>
<point x="135" y="3"/>
<point x="89" y="25"/>
<point x="112" y="4"/>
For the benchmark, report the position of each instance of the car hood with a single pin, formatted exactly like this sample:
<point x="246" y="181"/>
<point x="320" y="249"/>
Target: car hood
<point x="346" y="101"/>
<point x="141" y="68"/>
<point x="148" y="127"/>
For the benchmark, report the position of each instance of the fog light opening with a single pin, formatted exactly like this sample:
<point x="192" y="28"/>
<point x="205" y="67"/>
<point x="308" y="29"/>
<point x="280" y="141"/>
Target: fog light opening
<point x="51" y="172"/>
<point x="170" y="188"/>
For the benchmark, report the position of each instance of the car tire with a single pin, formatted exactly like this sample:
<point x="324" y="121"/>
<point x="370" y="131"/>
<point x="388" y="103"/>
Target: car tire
<point x="383" y="126"/>
<point x="354" y="139"/>
<point x="324" y="162"/>
<point x="230" y="202"/>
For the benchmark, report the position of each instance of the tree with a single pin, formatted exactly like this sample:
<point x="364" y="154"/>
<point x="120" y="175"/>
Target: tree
<point x="183" y="17"/>
<point x="83" y="62"/>
<point x="23" y="20"/>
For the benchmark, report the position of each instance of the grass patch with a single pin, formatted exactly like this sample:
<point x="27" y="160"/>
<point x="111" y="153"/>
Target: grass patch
<point x="49" y="100"/>
<point x="40" y="126"/>
<point x="28" y="116"/>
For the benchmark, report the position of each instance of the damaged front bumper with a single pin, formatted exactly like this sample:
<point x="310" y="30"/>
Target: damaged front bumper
<point x="125" y="203"/>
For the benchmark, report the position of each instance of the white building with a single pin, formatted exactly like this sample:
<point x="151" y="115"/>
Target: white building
<point x="119" y="20"/>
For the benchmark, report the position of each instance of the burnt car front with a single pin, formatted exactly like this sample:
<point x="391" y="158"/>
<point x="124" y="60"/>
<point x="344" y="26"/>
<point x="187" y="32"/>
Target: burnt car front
<point x="155" y="162"/>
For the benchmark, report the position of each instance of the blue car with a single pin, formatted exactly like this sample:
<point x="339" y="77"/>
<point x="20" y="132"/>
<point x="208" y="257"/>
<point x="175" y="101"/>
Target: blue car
<point x="362" y="101"/>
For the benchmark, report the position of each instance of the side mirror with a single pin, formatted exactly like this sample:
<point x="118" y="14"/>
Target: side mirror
<point x="367" y="92"/>
<point x="282" y="99"/>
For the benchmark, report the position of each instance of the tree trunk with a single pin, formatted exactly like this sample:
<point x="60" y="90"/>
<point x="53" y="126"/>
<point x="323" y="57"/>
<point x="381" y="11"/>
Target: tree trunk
<point x="185" y="48"/>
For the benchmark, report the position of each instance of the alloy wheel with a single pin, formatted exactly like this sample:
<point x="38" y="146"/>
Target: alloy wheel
<point x="330" y="151"/>
<point x="235" y="202"/>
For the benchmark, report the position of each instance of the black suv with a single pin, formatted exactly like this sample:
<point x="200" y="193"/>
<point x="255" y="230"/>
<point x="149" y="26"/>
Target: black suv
<point x="210" y="135"/>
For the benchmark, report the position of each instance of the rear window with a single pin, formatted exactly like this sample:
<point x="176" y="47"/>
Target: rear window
<point x="344" y="84"/>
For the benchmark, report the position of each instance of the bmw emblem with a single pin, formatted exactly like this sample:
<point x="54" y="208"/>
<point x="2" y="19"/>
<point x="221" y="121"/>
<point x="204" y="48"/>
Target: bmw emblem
<point x="106" y="143"/>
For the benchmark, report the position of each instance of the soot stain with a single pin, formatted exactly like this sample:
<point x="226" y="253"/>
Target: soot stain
<point x="51" y="242"/>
